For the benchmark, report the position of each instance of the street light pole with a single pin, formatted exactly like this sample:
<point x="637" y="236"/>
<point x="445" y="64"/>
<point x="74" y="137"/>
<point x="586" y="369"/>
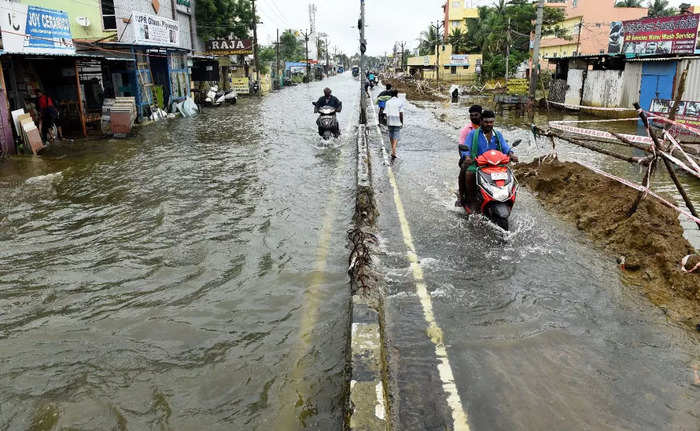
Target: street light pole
<point x="308" y="65"/>
<point x="255" y="48"/>
<point x="363" y="48"/>
<point x="437" y="27"/>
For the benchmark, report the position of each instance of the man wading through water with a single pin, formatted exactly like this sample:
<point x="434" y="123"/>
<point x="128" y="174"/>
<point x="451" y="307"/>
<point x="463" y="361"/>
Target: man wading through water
<point x="475" y="120"/>
<point x="394" y="120"/>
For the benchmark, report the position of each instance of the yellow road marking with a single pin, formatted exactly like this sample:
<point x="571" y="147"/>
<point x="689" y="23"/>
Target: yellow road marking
<point x="459" y="415"/>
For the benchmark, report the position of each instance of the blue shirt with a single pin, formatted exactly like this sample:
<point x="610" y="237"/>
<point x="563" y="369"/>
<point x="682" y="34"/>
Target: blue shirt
<point x="484" y="146"/>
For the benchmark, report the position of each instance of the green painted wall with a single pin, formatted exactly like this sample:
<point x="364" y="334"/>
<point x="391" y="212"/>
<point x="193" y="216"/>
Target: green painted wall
<point x="75" y="8"/>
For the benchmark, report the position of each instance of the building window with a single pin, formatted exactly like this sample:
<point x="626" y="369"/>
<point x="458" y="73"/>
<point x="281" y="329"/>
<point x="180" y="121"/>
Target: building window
<point x="574" y="3"/>
<point x="453" y="70"/>
<point x="456" y="3"/>
<point x="455" y="24"/>
<point x="465" y="67"/>
<point x="109" y="19"/>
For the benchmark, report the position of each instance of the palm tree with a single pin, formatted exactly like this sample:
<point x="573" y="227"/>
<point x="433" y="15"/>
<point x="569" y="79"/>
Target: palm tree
<point x="428" y="40"/>
<point x="660" y="8"/>
<point x="629" y="3"/>
<point x="458" y="40"/>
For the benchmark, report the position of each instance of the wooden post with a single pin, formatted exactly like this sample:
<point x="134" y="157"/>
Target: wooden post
<point x="635" y="160"/>
<point x="80" y="100"/>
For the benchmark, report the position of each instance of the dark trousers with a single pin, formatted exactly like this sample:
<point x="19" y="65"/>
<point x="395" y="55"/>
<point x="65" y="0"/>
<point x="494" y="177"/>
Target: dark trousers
<point x="467" y="184"/>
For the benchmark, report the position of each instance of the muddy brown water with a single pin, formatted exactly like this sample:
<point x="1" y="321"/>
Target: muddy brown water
<point x="191" y="277"/>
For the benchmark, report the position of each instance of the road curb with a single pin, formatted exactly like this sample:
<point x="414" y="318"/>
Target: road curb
<point x="368" y="405"/>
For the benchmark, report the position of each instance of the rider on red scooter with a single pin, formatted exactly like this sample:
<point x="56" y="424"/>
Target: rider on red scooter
<point x="479" y="141"/>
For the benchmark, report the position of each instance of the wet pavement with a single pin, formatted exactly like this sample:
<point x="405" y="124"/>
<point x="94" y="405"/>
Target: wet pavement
<point x="191" y="277"/>
<point x="539" y="331"/>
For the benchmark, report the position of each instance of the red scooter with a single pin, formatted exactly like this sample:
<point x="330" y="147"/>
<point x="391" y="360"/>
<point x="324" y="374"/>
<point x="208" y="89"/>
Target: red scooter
<point x="496" y="186"/>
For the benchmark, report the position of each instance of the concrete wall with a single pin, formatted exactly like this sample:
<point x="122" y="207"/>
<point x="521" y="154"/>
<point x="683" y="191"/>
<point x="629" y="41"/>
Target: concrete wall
<point x="89" y="9"/>
<point x="631" y="82"/>
<point x="602" y="88"/>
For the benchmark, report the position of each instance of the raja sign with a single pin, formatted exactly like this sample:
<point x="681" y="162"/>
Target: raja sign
<point x="145" y="29"/>
<point x="230" y="46"/>
<point x="650" y="36"/>
<point x="34" y="30"/>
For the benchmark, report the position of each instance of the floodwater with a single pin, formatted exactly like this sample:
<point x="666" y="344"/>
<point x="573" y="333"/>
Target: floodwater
<point x="191" y="277"/>
<point x="539" y="331"/>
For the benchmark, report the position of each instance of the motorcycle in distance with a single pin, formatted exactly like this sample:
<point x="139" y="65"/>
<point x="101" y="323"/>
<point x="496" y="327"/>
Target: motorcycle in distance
<point x="496" y="185"/>
<point x="327" y="122"/>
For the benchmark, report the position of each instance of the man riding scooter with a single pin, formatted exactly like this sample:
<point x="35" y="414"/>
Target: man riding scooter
<point x="328" y="100"/>
<point x="479" y="141"/>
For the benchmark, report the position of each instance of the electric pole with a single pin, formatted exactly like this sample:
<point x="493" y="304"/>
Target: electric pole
<point x="578" y="41"/>
<point x="507" y="51"/>
<point x="277" y="71"/>
<point x="255" y="49"/>
<point x="536" y="51"/>
<point x="438" y="41"/>
<point x="403" y="55"/>
<point x="328" y="71"/>
<point x="363" y="48"/>
<point x="308" y="65"/>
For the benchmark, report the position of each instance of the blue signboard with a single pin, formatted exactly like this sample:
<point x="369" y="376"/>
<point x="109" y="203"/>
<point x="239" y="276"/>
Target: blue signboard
<point x="34" y="30"/>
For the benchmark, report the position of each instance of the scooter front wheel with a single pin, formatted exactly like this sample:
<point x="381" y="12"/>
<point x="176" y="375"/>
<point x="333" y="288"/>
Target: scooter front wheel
<point x="500" y="222"/>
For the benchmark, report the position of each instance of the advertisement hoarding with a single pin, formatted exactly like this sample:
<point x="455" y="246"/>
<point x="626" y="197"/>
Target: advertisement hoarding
<point x="153" y="30"/>
<point x="688" y="113"/>
<point x="652" y="36"/>
<point x="230" y="46"/>
<point x="241" y="85"/>
<point x="34" y="30"/>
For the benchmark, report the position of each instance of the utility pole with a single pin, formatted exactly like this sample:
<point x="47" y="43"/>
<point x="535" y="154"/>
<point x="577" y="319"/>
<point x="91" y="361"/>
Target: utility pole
<point x="363" y="48"/>
<point x="308" y="65"/>
<point x="403" y="55"/>
<point x="536" y="52"/>
<point x="437" y="27"/>
<point x="255" y="48"/>
<point x="328" y="70"/>
<point x="578" y="41"/>
<point x="507" y="51"/>
<point x="277" y="70"/>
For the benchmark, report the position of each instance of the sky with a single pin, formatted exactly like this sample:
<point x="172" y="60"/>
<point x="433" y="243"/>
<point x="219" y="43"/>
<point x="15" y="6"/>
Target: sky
<point x="388" y="21"/>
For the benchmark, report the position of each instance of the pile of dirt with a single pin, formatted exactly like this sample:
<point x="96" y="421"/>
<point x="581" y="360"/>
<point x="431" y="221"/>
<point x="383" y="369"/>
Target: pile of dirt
<point x="417" y="89"/>
<point x="649" y="245"/>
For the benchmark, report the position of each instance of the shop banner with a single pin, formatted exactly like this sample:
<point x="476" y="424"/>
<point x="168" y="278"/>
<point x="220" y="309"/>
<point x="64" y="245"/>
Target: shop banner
<point x="459" y="60"/>
<point x="241" y="85"/>
<point x="153" y="30"/>
<point x="34" y="30"/>
<point x="688" y="113"/>
<point x="518" y="86"/>
<point x="230" y="46"/>
<point x="652" y="36"/>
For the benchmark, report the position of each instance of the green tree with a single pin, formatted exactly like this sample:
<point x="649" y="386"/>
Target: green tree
<point x="428" y="40"/>
<point x="223" y="18"/>
<point x="458" y="40"/>
<point x="660" y="8"/>
<point x="291" y="47"/>
<point x="266" y="55"/>
<point x="629" y="3"/>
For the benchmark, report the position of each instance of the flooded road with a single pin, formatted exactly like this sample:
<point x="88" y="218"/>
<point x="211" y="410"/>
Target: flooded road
<point x="192" y="277"/>
<point x="539" y="332"/>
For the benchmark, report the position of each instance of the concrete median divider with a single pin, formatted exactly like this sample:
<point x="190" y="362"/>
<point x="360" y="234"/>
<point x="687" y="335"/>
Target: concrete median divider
<point x="368" y="403"/>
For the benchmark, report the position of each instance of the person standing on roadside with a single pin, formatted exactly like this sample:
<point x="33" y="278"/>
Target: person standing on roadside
<point x="47" y="112"/>
<point x="394" y="120"/>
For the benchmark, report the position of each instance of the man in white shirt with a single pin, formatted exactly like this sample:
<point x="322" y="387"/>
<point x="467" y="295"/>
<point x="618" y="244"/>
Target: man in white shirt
<point x="394" y="119"/>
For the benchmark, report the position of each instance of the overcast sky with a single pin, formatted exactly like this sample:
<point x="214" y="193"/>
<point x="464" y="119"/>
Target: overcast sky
<point x="387" y="20"/>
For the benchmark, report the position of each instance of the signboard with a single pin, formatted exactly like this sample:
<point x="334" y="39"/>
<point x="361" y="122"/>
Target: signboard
<point x="230" y="46"/>
<point x="34" y="30"/>
<point x="184" y="6"/>
<point x="518" y="86"/>
<point x="426" y="61"/>
<point x="146" y="29"/>
<point x="651" y="36"/>
<point x="688" y="113"/>
<point x="240" y="85"/>
<point x="459" y="60"/>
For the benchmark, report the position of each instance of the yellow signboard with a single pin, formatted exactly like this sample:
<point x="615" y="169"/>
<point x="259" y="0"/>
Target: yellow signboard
<point x="240" y="85"/>
<point x="518" y="86"/>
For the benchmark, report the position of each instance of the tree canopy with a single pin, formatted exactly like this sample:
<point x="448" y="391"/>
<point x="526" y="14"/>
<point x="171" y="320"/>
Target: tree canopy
<point x="223" y="18"/>
<point x="488" y="33"/>
<point x="660" y="8"/>
<point x="629" y="3"/>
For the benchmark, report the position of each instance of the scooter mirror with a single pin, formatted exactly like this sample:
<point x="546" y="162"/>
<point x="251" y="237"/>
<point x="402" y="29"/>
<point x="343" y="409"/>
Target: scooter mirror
<point x="516" y="143"/>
